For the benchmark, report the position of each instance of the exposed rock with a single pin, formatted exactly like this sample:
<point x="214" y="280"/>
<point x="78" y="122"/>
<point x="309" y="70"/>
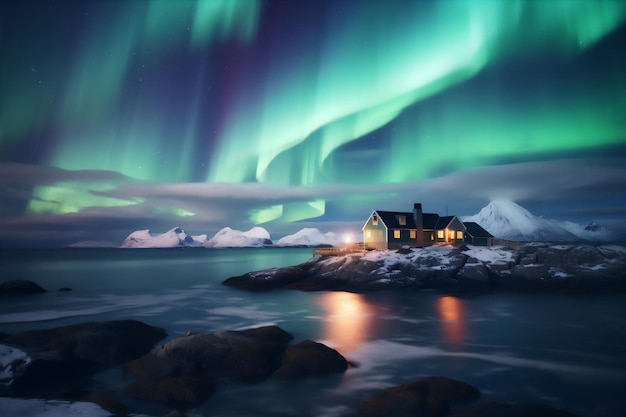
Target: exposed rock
<point x="535" y="267"/>
<point x="106" y="343"/>
<point x="182" y="372"/>
<point x="267" y="279"/>
<point x="177" y="391"/>
<point x="63" y="357"/>
<point x="510" y="410"/>
<point x="310" y="359"/>
<point x="428" y="397"/>
<point x="475" y="277"/>
<point x="19" y="287"/>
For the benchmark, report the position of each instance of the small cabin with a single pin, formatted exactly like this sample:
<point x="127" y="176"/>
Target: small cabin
<point x="392" y="230"/>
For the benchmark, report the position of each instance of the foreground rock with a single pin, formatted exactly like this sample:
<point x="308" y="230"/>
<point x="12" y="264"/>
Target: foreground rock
<point x="183" y="372"/>
<point x="19" y="287"/>
<point x="442" y="397"/>
<point x="428" y="397"/>
<point x="62" y="357"/>
<point x="537" y="267"/>
<point x="491" y="409"/>
<point x="310" y="359"/>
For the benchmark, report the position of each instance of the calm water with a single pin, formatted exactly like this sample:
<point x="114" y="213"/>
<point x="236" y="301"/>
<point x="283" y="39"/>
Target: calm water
<point x="568" y="352"/>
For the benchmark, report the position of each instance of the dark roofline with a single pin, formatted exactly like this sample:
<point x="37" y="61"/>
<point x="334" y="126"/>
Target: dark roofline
<point x="476" y="230"/>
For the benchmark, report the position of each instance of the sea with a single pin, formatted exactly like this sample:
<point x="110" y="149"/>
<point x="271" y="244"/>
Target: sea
<point x="568" y="352"/>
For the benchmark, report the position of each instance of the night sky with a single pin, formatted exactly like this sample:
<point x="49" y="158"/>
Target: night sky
<point x="125" y="115"/>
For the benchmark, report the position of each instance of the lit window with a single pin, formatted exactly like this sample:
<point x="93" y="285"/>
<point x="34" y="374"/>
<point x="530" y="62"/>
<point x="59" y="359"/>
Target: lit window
<point x="439" y="234"/>
<point x="368" y="234"/>
<point x="432" y="237"/>
<point x="402" y="220"/>
<point x="396" y="234"/>
<point x="412" y="234"/>
<point x="459" y="234"/>
<point x="375" y="220"/>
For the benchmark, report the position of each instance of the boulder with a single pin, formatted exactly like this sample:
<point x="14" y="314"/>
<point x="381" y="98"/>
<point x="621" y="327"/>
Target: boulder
<point x="493" y="409"/>
<point x="475" y="277"/>
<point x="64" y="357"/>
<point x="19" y="287"/>
<point x="310" y="359"/>
<point x="181" y="392"/>
<point x="105" y="344"/>
<point x="267" y="279"/>
<point x="531" y="278"/>
<point x="428" y="397"/>
<point x="182" y="372"/>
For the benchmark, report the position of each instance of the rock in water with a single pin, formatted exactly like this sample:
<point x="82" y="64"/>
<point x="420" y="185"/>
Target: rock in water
<point x="267" y="279"/>
<point x="64" y="356"/>
<point x="182" y="372"/>
<point x="106" y="343"/>
<point x="310" y="359"/>
<point x="19" y="287"/>
<point x="491" y="409"/>
<point x="428" y="397"/>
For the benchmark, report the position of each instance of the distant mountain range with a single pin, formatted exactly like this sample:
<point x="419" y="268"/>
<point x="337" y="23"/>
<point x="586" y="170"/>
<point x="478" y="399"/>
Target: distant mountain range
<point x="509" y="220"/>
<point x="227" y="238"/>
<point x="503" y="219"/>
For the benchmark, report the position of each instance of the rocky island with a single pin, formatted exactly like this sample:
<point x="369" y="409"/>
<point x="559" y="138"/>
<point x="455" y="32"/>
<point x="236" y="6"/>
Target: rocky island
<point x="533" y="267"/>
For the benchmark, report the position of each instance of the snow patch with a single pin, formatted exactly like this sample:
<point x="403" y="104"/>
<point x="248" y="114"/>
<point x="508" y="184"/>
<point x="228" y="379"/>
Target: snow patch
<point x="10" y="359"/>
<point x="493" y="254"/>
<point x="49" y="408"/>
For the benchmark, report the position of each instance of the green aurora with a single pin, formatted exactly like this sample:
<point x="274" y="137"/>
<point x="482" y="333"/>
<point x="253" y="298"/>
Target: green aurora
<point x="355" y="92"/>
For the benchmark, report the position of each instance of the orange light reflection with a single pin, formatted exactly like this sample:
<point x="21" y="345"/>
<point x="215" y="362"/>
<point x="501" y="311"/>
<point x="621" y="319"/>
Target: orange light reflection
<point x="348" y="320"/>
<point x="452" y="314"/>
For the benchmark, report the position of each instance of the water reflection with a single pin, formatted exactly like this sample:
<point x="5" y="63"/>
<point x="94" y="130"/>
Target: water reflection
<point x="452" y="315"/>
<point x="348" y="321"/>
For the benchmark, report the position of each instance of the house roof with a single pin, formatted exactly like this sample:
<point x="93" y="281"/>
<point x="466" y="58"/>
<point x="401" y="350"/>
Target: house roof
<point x="391" y="219"/>
<point x="444" y="222"/>
<point x="476" y="230"/>
<point x="429" y="220"/>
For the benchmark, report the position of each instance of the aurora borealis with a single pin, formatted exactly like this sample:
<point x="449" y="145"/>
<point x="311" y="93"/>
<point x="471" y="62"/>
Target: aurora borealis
<point x="116" y="116"/>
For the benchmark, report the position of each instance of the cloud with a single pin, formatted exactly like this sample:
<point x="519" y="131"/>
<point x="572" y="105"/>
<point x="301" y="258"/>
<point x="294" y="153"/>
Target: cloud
<point x="582" y="187"/>
<point x="34" y="175"/>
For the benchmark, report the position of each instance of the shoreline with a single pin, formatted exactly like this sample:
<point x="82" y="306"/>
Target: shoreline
<point x="532" y="268"/>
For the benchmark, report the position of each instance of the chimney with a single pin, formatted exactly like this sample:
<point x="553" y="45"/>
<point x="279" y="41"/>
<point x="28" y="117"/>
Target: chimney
<point x="419" y="223"/>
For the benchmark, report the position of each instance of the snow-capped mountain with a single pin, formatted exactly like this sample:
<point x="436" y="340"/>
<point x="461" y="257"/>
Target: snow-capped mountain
<point x="592" y="231"/>
<point x="508" y="220"/>
<point x="309" y="237"/>
<point x="229" y="238"/>
<point x="172" y="238"/>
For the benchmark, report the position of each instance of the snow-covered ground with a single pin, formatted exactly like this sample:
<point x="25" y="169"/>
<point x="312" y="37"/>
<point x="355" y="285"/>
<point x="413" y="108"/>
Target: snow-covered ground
<point x="492" y="254"/>
<point x="441" y="254"/>
<point x="10" y="359"/>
